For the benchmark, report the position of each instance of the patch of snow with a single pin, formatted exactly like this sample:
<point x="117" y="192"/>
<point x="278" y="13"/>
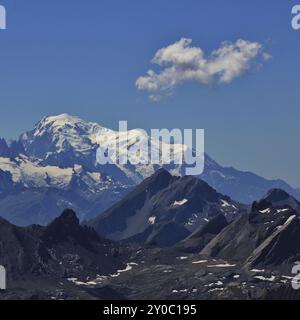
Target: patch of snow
<point x="192" y="220"/>
<point x="271" y="279"/>
<point x="282" y="210"/>
<point x="216" y="289"/>
<point x="184" y="290"/>
<point x="152" y="220"/>
<point x="181" y="202"/>
<point x="75" y="281"/>
<point x="225" y="203"/>
<point x="225" y="265"/>
<point x="290" y="219"/>
<point x="128" y="268"/>
<point x="268" y="210"/>
<point x="218" y="283"/>
<point x="168" y="271"/>
<point x="257" y="270"/>
<point x="200" y="261"/>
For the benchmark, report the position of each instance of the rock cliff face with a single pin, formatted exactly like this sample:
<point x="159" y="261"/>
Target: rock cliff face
<point x="64" y="248"/>
<point x="267" y="236"/>
<point x="203" y="235"/>
<point x="164" y="210"/>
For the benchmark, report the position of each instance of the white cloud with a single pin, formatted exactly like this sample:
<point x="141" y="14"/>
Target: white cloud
<point x="180" y="63"/>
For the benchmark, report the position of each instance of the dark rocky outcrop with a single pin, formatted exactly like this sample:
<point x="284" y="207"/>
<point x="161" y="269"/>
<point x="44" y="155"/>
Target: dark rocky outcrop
<point x="162" y="200"/>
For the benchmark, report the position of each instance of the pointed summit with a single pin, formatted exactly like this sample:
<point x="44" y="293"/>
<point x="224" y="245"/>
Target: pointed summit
<point x="68" y="219"/>
<point x="67" y="229"/>
<point x="275" y="195"/>
<point x="280" y="198"/>
<point x="161" y="202"/>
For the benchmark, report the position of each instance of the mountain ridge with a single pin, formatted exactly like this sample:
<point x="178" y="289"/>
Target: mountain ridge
<point x="56" y="160"/>
<point x="243" y="186"/>
<point x="160" y="201"/>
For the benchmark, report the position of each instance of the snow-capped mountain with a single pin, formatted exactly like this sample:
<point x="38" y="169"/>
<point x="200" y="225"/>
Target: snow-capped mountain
<point x="61" y="141"/>
<point x="66" y="140"/>
<point x="32" y="174"/>
<point x="31" y="192"/>
<point x="53" y="166"/>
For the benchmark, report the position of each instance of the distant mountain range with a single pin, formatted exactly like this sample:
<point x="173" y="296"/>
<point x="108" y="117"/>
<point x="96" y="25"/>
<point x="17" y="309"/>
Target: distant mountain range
<point x="52" y="167"/>
<point x="249" y="255"/>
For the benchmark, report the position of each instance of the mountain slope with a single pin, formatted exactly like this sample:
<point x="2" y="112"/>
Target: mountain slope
<point x="163" y="200"/>
<point x="268" y="235"/>
<point x="63" y="249"/>
<point x="241" y="186"/>
<point x="203" y="235"/>
<point x="278" y="197"/>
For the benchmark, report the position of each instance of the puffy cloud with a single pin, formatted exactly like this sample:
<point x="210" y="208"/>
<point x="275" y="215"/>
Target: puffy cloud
<point x="180" y="63"/>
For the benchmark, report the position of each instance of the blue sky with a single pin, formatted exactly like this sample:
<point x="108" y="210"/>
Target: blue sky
<point x="84" y="57"/>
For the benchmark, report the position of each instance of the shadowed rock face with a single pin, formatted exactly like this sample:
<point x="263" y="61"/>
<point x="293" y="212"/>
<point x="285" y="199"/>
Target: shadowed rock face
<point x="165" y="234"/>
<point x="6" y="182"/>
<point x="63" y="248"/>
<point x="282" y="246"/>
<point x="20" y="252"/>
<point x="10" y="151"/>
<point x="201" y="237"/>
<point x="181" y="205"/>
<point x="278" y="197"/>
<point x="66" y="229"/>
<point x="269" y="235"/>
